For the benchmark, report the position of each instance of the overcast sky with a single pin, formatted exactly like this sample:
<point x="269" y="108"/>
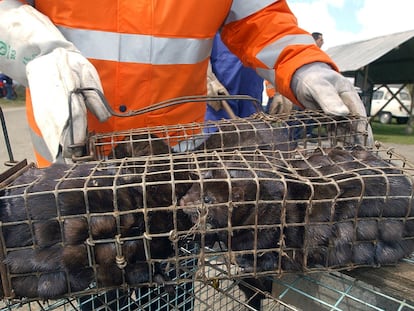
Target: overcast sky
<point x="345" y="21"/>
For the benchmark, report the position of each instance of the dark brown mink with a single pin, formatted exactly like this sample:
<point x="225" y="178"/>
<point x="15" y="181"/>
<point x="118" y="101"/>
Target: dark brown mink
<point x="244" y="134"/>
<point x="72" y="206"/>
<point x="139" y="145"/>
<point x="328" y="237"/>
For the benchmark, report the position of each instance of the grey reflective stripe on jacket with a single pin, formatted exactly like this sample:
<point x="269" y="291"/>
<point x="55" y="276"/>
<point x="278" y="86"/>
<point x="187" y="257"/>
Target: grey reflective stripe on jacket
<point x="270" y="53"/>
<point x="243" y="8"/>
<point x="135" y="48"/>
<point x="40" y="146"/>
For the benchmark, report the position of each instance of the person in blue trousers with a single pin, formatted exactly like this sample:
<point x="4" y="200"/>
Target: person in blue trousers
<point x="236" y="79"/>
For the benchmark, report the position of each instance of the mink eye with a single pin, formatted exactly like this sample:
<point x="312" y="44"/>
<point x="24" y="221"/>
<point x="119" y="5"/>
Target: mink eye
<point x="207" y="199"/>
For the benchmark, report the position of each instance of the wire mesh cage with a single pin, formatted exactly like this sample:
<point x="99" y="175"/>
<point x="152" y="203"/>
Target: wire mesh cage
<point x="208" y="216"/>
<point x="282" y="133"/>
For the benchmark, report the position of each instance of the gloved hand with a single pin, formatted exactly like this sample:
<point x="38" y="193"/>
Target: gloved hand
<point x="40" y="57"/>
<point x="318" y="86"/>
<point x="51" y="78"/>
<point x="214" y="88"/>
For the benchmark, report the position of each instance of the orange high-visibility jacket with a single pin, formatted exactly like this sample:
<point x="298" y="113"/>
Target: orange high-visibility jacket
<point x="270" y="89"/>
<point x="148" y="51"/>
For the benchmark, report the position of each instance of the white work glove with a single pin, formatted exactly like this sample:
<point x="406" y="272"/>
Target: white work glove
<point x="40" y="57"/>
<point x="215" y="88"/>
<point x="51" y="78"/>
<point x="318" y="86"/>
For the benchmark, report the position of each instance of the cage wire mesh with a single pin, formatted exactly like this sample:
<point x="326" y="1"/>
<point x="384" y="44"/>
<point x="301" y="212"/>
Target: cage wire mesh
<point x="261" y="131"/>
<point x="238" y="214"/>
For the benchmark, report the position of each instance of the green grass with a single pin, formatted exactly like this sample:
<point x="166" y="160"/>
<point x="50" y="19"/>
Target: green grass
<point x="392" y="133"/>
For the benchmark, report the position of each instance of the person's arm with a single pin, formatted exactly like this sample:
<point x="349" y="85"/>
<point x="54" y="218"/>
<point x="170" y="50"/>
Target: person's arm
<point x="37" y="55"/>
<point x="265" y="36"/>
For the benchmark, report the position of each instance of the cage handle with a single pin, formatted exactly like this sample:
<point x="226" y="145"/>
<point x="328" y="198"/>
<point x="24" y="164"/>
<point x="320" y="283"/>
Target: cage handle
<point x="78" y="149"/>
<point x="159" y="105"/>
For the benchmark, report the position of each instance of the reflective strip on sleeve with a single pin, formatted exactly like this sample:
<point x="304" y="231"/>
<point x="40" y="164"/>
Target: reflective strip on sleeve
<point x="270" y="53"/>
<point x="267" y="74"/>
<point x="136" y="48"/>
<point x="40" y="146"/>
<point x="243" y="8"/>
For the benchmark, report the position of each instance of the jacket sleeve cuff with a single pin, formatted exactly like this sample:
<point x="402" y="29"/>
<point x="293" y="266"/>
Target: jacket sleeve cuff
<point x="293" y="59"/>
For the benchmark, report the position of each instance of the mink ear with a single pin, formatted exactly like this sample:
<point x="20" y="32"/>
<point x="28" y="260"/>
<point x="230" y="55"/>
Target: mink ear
<point x="237" y="194"/>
